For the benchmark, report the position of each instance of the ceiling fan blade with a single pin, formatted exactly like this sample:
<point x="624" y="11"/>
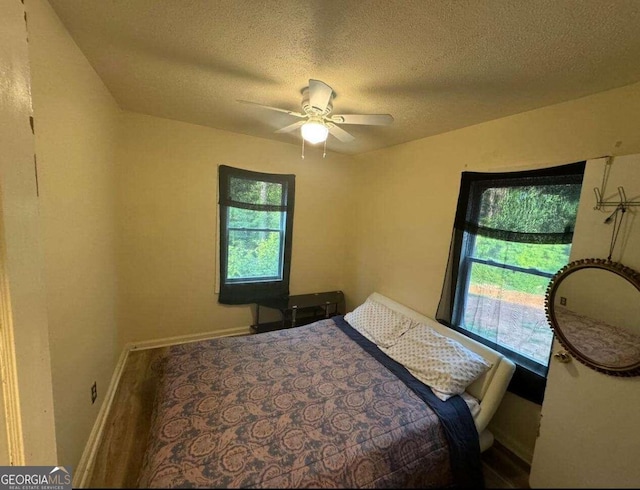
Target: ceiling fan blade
<point x="340" y="133"/>
<point x="286" y="111"/>
<point x="368" y="119"/>
<point x="290" y="127"/>
<point x="319" y="94"/>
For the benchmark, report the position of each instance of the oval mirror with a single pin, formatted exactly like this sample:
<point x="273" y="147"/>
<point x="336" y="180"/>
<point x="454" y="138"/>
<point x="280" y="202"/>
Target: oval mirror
<point x="593" y="306"/>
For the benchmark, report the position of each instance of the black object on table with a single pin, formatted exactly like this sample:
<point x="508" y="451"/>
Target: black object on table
<point x="300" y="309"/>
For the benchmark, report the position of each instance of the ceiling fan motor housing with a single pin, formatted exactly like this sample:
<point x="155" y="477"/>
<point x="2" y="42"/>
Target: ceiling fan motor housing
<point x="315" y="111"/>
<point x="315" y="120"/>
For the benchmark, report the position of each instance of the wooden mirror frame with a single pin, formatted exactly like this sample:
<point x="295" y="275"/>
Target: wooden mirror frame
<point x="626" y="273"/>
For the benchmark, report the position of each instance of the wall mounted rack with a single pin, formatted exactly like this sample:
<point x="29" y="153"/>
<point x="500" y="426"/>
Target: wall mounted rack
<point x="623" y="202"/>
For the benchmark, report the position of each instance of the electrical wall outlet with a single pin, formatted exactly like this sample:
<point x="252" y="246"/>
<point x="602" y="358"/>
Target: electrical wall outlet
<point x="563" y="301"/>
<point x="94" y="392"/>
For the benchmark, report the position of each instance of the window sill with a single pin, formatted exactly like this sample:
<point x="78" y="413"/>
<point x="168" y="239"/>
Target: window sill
<point x="525" y="383"/>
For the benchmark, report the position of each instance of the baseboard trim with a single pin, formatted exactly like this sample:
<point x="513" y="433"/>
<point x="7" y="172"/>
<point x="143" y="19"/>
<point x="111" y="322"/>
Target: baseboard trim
<point x="83" y="473"/>
<point x="512" y="445"/>
<point x="183" y="339"/>
<point x="85" y="466"/>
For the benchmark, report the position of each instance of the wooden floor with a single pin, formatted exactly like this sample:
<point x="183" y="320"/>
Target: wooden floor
<point x="503" y="469"/>
<point x="119" y="456"/>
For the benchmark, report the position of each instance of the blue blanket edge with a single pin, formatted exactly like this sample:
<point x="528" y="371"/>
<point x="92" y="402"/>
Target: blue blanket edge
<point x="454" y="414"/>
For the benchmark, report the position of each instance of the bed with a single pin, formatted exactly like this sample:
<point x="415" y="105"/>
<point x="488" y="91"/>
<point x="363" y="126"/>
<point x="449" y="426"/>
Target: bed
<point x="324" y="405"/>
<point x="603" y="343"/>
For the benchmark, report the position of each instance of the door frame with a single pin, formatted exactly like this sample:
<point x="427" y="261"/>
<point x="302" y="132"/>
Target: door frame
<point x="10" y="394"/>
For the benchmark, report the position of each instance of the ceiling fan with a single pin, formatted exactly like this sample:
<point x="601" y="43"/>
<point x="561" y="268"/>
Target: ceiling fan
<point x="316" y="119"/>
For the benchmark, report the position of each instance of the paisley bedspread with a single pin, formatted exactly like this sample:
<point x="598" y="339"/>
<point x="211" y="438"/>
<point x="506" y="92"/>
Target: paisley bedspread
<point x="295" y="408"/>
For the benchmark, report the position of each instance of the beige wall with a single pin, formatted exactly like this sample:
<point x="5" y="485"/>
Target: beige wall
<point x="407" y="194"/>
<point x="168" y="233"/>
<point x="27" y="391"/>
<point x="380" y="221"/>
<point x="75" y="129"/>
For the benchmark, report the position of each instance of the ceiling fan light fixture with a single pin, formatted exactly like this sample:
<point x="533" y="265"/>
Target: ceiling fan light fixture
<point x="316" y="122"/>
<point x="314" y="132"/>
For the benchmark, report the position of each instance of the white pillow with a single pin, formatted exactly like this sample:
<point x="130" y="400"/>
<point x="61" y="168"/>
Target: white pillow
<point x="438" y="361"/>
<point x="378" y="323"/>
<point x="472" y="402"/>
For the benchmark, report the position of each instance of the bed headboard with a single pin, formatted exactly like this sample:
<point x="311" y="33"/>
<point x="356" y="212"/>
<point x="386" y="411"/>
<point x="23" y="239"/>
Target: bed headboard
<point x="490" y="388"/>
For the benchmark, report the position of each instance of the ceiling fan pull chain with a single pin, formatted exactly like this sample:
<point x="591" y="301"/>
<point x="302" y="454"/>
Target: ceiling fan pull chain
<point x="303" y="148"/>
<point x="324" y="153"/>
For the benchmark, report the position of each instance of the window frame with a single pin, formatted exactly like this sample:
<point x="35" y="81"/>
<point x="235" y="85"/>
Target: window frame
<point x="250" y="290"/>
<point x="467" y="258"/>
<point x="281" y="230"/>
<point x="529" y="380"/>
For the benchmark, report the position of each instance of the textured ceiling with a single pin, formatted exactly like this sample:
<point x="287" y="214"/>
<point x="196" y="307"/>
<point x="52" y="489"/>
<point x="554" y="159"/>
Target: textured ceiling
<point x="434" y="65"/>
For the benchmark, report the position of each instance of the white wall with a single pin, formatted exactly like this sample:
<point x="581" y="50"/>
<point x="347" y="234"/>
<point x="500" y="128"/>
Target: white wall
<point x="581" y="405"/>
<point x="407" y="195"/>
<point x="75" y="129"/>
<point x="600" y="295"/>
<point x="168" y="178"/>
<point x="590" y="432"/>
<point x="23" y="320"/>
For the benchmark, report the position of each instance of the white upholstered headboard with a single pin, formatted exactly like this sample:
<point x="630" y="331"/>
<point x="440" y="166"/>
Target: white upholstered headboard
<point x="490" y="388"/>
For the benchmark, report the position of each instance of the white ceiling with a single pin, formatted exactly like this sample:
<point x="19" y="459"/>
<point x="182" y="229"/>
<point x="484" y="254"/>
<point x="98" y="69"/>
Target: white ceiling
<point x="434" y="65"/>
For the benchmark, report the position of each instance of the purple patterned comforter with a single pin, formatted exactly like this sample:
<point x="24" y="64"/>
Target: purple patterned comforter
<point x="303" y="407"/>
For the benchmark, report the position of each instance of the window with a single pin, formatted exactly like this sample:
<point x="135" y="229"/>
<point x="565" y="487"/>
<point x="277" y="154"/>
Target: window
<point x="256" y="222"/>
<point x="512" y="233"/>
